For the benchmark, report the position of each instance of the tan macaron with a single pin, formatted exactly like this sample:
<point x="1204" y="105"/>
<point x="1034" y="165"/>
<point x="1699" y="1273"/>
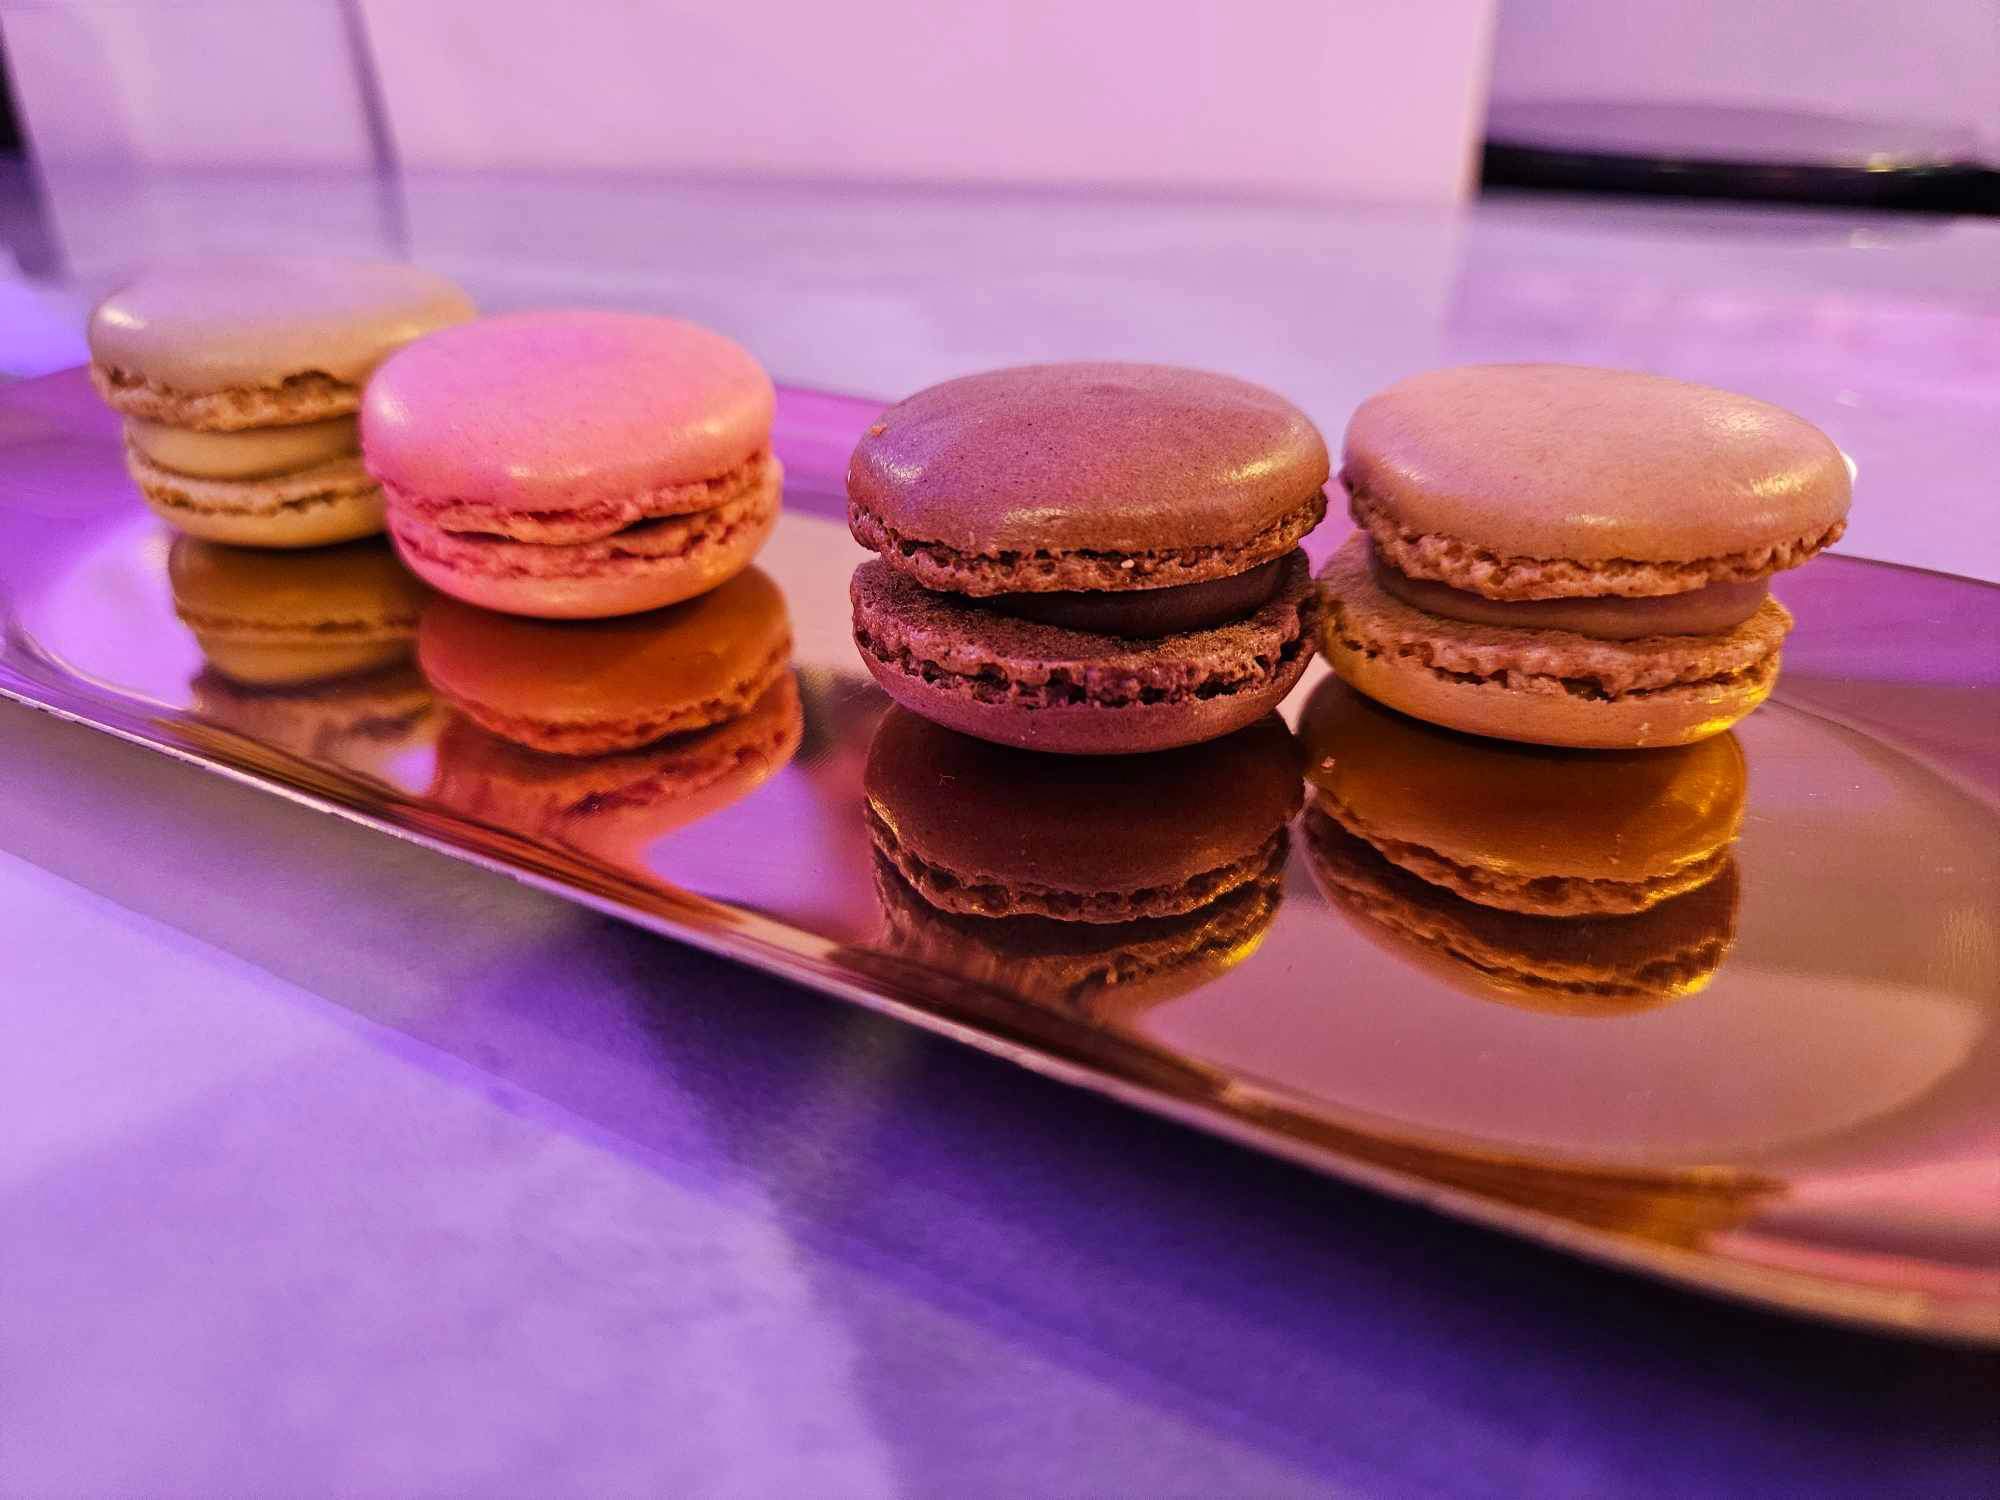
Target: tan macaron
<point x="1573" y="556"/>
<point x="239" y="380"/>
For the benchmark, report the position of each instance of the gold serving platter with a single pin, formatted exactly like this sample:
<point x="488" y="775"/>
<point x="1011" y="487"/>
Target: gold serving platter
<point x="1788" y="1093"/>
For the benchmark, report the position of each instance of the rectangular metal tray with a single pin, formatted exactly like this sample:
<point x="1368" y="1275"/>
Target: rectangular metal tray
<point x="1814" y="1125"/>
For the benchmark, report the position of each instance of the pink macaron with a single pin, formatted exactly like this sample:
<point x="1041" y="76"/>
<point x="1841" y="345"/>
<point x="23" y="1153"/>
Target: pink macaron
<point x="574" y="465"/>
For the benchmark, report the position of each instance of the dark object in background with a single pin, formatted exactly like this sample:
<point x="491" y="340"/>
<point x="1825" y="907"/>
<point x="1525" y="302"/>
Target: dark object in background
<point x="10" y="125"/>
<point x="1716" y="151"/>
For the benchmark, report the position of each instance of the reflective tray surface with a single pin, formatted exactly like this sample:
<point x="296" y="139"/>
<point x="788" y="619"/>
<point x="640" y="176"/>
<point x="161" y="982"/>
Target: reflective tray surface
<point x="1784" y="1086"/>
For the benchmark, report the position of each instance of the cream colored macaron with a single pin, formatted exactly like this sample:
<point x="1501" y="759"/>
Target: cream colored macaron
<point x="240" y="379"/>
<point x="1571" y="556"/>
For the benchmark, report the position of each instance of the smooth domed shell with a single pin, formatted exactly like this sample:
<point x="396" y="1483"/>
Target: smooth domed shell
<point x="1108" y="457"/>
<point x="556" y="411"/>
<point x="1591" y="465"/>
<point x="216" y="325"/>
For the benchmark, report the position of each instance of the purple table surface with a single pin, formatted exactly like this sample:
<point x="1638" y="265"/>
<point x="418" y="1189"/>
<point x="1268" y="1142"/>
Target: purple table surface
<point x="410" y="1180"/>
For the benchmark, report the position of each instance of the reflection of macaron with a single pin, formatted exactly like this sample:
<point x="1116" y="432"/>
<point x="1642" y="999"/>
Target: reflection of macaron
<point x="575" y="465"/>
<point x="1546" y="832"/>
<point x="280" y="619"/>
<point x="359" y="722"/>
<point x="1585" y="966"/>
<point x="1573" y="556"/>
<point x="988" y="831"/>
<point x="1106" y="972"/>
<point x="614" y="805"/>
<point x="590" y="686"/>
<point x="239" y="381"/>
<point x="1089" y="558"/>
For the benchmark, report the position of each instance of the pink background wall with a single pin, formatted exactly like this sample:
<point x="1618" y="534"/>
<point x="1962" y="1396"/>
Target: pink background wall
<point x="1371" y="100"/>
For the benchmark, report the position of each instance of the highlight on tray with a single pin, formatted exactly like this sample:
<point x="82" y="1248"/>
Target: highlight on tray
<point x="1590" y="883"/>
<point x="1100" y="884"/>
<point x="239" y="381"/>
<point x="608" y="734"/>
<point x="1093" y="559"/>
<point x="1565" y="555"/>
<point x="307" y="651"/>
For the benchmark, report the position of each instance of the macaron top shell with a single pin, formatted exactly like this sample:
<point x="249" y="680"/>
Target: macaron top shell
<point x="1591" y="465"/>
<point x="216" y="325"/>
<point x="553" y="411"/>
<point x="1522" y="810"/>
<point x="991" y="812"/>
<point x="630" y="666"/>
<point x="1108" y="457"/>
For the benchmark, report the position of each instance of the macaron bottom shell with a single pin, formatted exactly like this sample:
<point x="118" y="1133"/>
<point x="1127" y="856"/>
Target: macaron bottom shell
<point x="317" y="507"/>
<point x="1043" y="687"/>
<point x="1515" y="685"/>
<point x="644" y="568"/>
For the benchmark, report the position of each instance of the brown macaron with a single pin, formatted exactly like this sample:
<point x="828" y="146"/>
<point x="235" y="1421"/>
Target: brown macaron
<point x="988" y="831"/>
<point x="1545" y="832"/>
<point x="1088" y="558"/>
<point x="1573" y="556"/>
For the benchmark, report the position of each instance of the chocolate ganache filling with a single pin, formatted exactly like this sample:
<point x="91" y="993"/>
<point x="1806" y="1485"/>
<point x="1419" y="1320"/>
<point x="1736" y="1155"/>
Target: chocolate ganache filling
<point x="1142" y="613"/>
<point x="1714" y="610"/>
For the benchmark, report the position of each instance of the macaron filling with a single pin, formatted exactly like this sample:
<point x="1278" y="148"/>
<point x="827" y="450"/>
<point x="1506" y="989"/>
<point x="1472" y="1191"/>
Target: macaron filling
<point x="595" y="520"/>
<point x="1365" y="620"/>
<point x="253" y="453"/>
<point x="1712" y="610"/>
<point x="1140" y="614"/>
<point x="1497" y="575"/>
<point x="652" y="540"/>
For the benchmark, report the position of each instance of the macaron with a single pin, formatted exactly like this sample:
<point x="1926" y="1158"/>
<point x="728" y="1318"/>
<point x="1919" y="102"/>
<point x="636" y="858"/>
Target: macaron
<point x="1594" y="966"/>
<point x="575" y="465"/>
<point x="279" y="619"/>
<point x="239" y="381"/>
<point x="1572" y="556"/>
<point x="587" y="687"/>
<point x="988" y="831"/>
<point x="1091" y="559"/>
<point x="1541" y="831"/>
